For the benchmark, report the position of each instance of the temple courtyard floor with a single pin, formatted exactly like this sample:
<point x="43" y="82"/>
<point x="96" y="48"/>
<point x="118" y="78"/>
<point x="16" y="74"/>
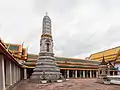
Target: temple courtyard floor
<point x="72" y="84"/>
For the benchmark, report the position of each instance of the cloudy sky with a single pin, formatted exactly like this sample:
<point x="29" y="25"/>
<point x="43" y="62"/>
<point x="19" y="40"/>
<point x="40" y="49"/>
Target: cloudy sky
<point x="79" y="27"/>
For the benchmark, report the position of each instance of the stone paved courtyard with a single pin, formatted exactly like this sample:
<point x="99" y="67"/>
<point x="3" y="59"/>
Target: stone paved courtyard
<point x="72" y="84"/>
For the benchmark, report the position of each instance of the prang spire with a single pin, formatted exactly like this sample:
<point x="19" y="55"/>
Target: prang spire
<point x="46" y="25"/>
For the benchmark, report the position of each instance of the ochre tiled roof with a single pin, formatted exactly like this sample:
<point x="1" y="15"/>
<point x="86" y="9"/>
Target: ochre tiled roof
<point x="109" y="54"/>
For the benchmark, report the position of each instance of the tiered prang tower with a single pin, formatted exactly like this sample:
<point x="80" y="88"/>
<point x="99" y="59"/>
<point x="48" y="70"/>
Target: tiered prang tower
<point x="45" y="66"/>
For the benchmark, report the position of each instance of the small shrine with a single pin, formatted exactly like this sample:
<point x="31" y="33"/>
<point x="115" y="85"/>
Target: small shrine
<point x="102" y="71"/>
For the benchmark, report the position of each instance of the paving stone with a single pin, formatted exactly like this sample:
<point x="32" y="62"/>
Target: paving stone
<point x="72" y="84"/>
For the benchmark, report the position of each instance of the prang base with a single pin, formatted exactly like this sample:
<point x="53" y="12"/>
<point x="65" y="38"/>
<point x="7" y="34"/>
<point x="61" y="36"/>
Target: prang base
<point x="46" y="69"/>
<point x="48" y="77"/>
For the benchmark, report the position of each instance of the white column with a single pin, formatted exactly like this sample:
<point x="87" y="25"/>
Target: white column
<point x="25" y="73"/>
<point x="75" y="73"/>
<point x="67" y="73"/>
<point x="113" y="73"/>
<point x="19" y="74"/>
<point x="83" y="73"/>
<point x="11" y="73"/>
<point x="90" y="74"/>
<point x="14" y="73"/>
<point x="2" y="73"/>
<point x="96" y="73"/>
<point x="8" y="73"/>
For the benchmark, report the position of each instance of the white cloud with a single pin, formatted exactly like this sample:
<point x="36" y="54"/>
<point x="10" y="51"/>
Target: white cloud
<point x="80" y="27"/>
